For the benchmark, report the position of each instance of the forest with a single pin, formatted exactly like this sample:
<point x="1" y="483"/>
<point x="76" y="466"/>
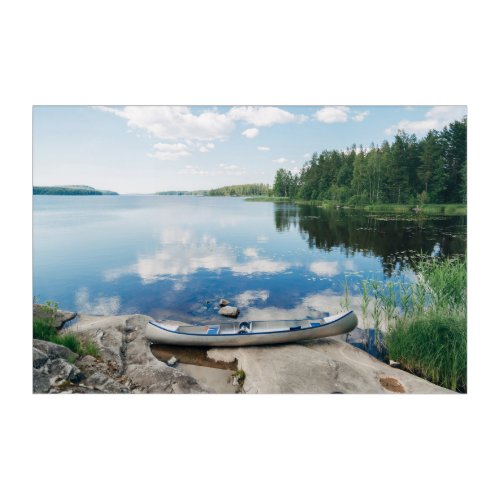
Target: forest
<point x="242" y="190"/>
<point x="71" y="191"/>
<point x="407" y="171"/>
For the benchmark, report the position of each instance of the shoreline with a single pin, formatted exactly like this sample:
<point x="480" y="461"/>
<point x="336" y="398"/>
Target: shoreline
<point x="429" y="209"/>
<point x="127" y="364"/>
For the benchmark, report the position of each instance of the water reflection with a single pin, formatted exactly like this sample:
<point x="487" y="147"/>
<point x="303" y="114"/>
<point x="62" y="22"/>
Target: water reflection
<point x="182" y="253"/>
<point x="394" y="238"/>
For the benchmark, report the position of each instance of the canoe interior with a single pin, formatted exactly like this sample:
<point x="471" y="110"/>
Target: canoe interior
<point x="235" y="327"/>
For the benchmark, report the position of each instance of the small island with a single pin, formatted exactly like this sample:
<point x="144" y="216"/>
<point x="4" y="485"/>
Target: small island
<point x="75" y="190"/>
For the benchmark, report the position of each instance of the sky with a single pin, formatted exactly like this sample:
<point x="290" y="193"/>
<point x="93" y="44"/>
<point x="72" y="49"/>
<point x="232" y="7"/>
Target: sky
<point x="146" y="149"/>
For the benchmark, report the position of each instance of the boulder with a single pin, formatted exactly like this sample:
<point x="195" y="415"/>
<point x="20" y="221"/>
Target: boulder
<point x="172" y="361"/>
<point x="53" y="351"/>
<point x="39" y="358"/>
<point x="230" y="311"/>
<point x="102" y="383"/>
<point x="59" y="370"/>
<point x="41" y="381"/>
<point x="223" y="302"/>
<point x="126" y="358"/>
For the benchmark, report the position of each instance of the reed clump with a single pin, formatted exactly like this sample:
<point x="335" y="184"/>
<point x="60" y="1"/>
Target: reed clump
<point x="431" y="338"/>
<point x="421" y="324"/>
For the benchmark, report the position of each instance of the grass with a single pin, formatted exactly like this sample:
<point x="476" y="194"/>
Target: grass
<point x="239" y="375"/>
<point x="430" y="339"/>
<point x="425" y="322"/>
<point x="431" y="209"/>
<point x="434" y="346"/>
<point x="44" y="329"/>
<point x="428" y="209"/>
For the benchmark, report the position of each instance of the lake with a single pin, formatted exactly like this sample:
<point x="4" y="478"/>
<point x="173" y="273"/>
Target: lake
<point x="176" y="256"/>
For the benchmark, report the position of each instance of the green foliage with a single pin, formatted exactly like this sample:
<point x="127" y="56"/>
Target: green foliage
<point x="69" y="341"/>
<point x="241" y="190"/>
<point x="430" y="338"/>
<point x="44" y="329"/>
<point x="433" y="345"/>
<point x="446" y="281"/>
<point x="71" y="190"/>
<point x="89" y="348"/>
<point x="394" y="173"/>
<point x="239" y="375"/>
<point x="426" y="321"/>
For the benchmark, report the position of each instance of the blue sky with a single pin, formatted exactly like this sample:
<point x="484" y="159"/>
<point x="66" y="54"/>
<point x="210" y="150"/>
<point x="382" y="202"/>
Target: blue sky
<point x="145" y="149"/>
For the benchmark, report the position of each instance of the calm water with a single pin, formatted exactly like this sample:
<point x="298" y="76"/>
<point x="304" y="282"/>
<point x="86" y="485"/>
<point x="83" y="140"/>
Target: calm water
<point x="175" y="256"/>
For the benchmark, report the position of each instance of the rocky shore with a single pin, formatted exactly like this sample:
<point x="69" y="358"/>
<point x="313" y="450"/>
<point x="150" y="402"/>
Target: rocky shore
<point x="126" y="364"/>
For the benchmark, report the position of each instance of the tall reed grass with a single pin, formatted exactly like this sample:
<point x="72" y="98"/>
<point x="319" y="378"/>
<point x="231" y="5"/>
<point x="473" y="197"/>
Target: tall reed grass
<point x="431" y="338"/>
<point x="423" y="324"/>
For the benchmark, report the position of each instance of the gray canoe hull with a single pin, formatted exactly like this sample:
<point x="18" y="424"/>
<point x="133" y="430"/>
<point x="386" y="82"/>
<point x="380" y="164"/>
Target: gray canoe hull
<point x="259" y="332"/>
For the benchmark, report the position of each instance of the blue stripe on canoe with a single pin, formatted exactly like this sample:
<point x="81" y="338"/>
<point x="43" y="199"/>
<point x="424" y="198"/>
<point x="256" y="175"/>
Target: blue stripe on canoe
<point x="313" y="324"/>
<point x="237" y="334"/>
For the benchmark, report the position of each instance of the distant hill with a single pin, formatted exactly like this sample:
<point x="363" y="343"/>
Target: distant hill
<point x="71" y="190"/>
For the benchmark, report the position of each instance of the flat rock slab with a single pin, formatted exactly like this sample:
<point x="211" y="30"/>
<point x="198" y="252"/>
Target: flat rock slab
<point x="320" y="366"/>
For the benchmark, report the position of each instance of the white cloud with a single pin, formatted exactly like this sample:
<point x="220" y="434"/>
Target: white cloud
<point x="181" y="254"/>
<point x="233" y="170"/>
<point x="223" y="169"/>
<point x="307" y="155"/>
<point x="247" y="297"/>
<point x="260" y="266"/>
<point x="101" y="305"/>
<point x="332" y="114"/>
<point x="280" y="160"/>
<point x="359" y="117"/>
<point x="325" y="268"/>
<point x="250" y="252"/>
<point x="165" y="151"/>
<point x="436" y="118"/>
<point x="263" y="148"/>
<point x="194" y="170"/>
<point x="205" y="148"/>
<point x="250" y="133"/>
<point x="175" y="122"/>
<point x="264" y="116"/>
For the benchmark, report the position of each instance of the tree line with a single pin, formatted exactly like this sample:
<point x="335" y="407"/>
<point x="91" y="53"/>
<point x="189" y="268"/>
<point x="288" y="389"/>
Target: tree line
<point x="71" y="190"/>
<point x="242" y="190"/>
<point x="430" y="170"/>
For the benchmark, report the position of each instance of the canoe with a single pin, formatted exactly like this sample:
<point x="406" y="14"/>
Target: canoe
<point x="250" y="333"/>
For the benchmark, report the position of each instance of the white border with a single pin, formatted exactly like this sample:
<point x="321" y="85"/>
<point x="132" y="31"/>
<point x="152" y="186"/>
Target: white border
<point x="219" y="52"/>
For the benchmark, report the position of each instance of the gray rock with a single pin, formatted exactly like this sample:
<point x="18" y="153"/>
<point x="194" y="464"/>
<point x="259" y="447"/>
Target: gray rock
<point x="53" y="351"/>
<point x="105" y="384"/>
<point x="123" y="341"/>
<point x="59" y="318"/>
<point x="60" y="370"/>
<point x="136" y="322"/>
<point x="320" y="366"/>
<point x="172" y="361"/>
<point x="41" y="381"/>
<point x="39" y="358"/>
<point x="394" y="364"/>
<point x="223" y="302"/>
<point x="230" y="311"/>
